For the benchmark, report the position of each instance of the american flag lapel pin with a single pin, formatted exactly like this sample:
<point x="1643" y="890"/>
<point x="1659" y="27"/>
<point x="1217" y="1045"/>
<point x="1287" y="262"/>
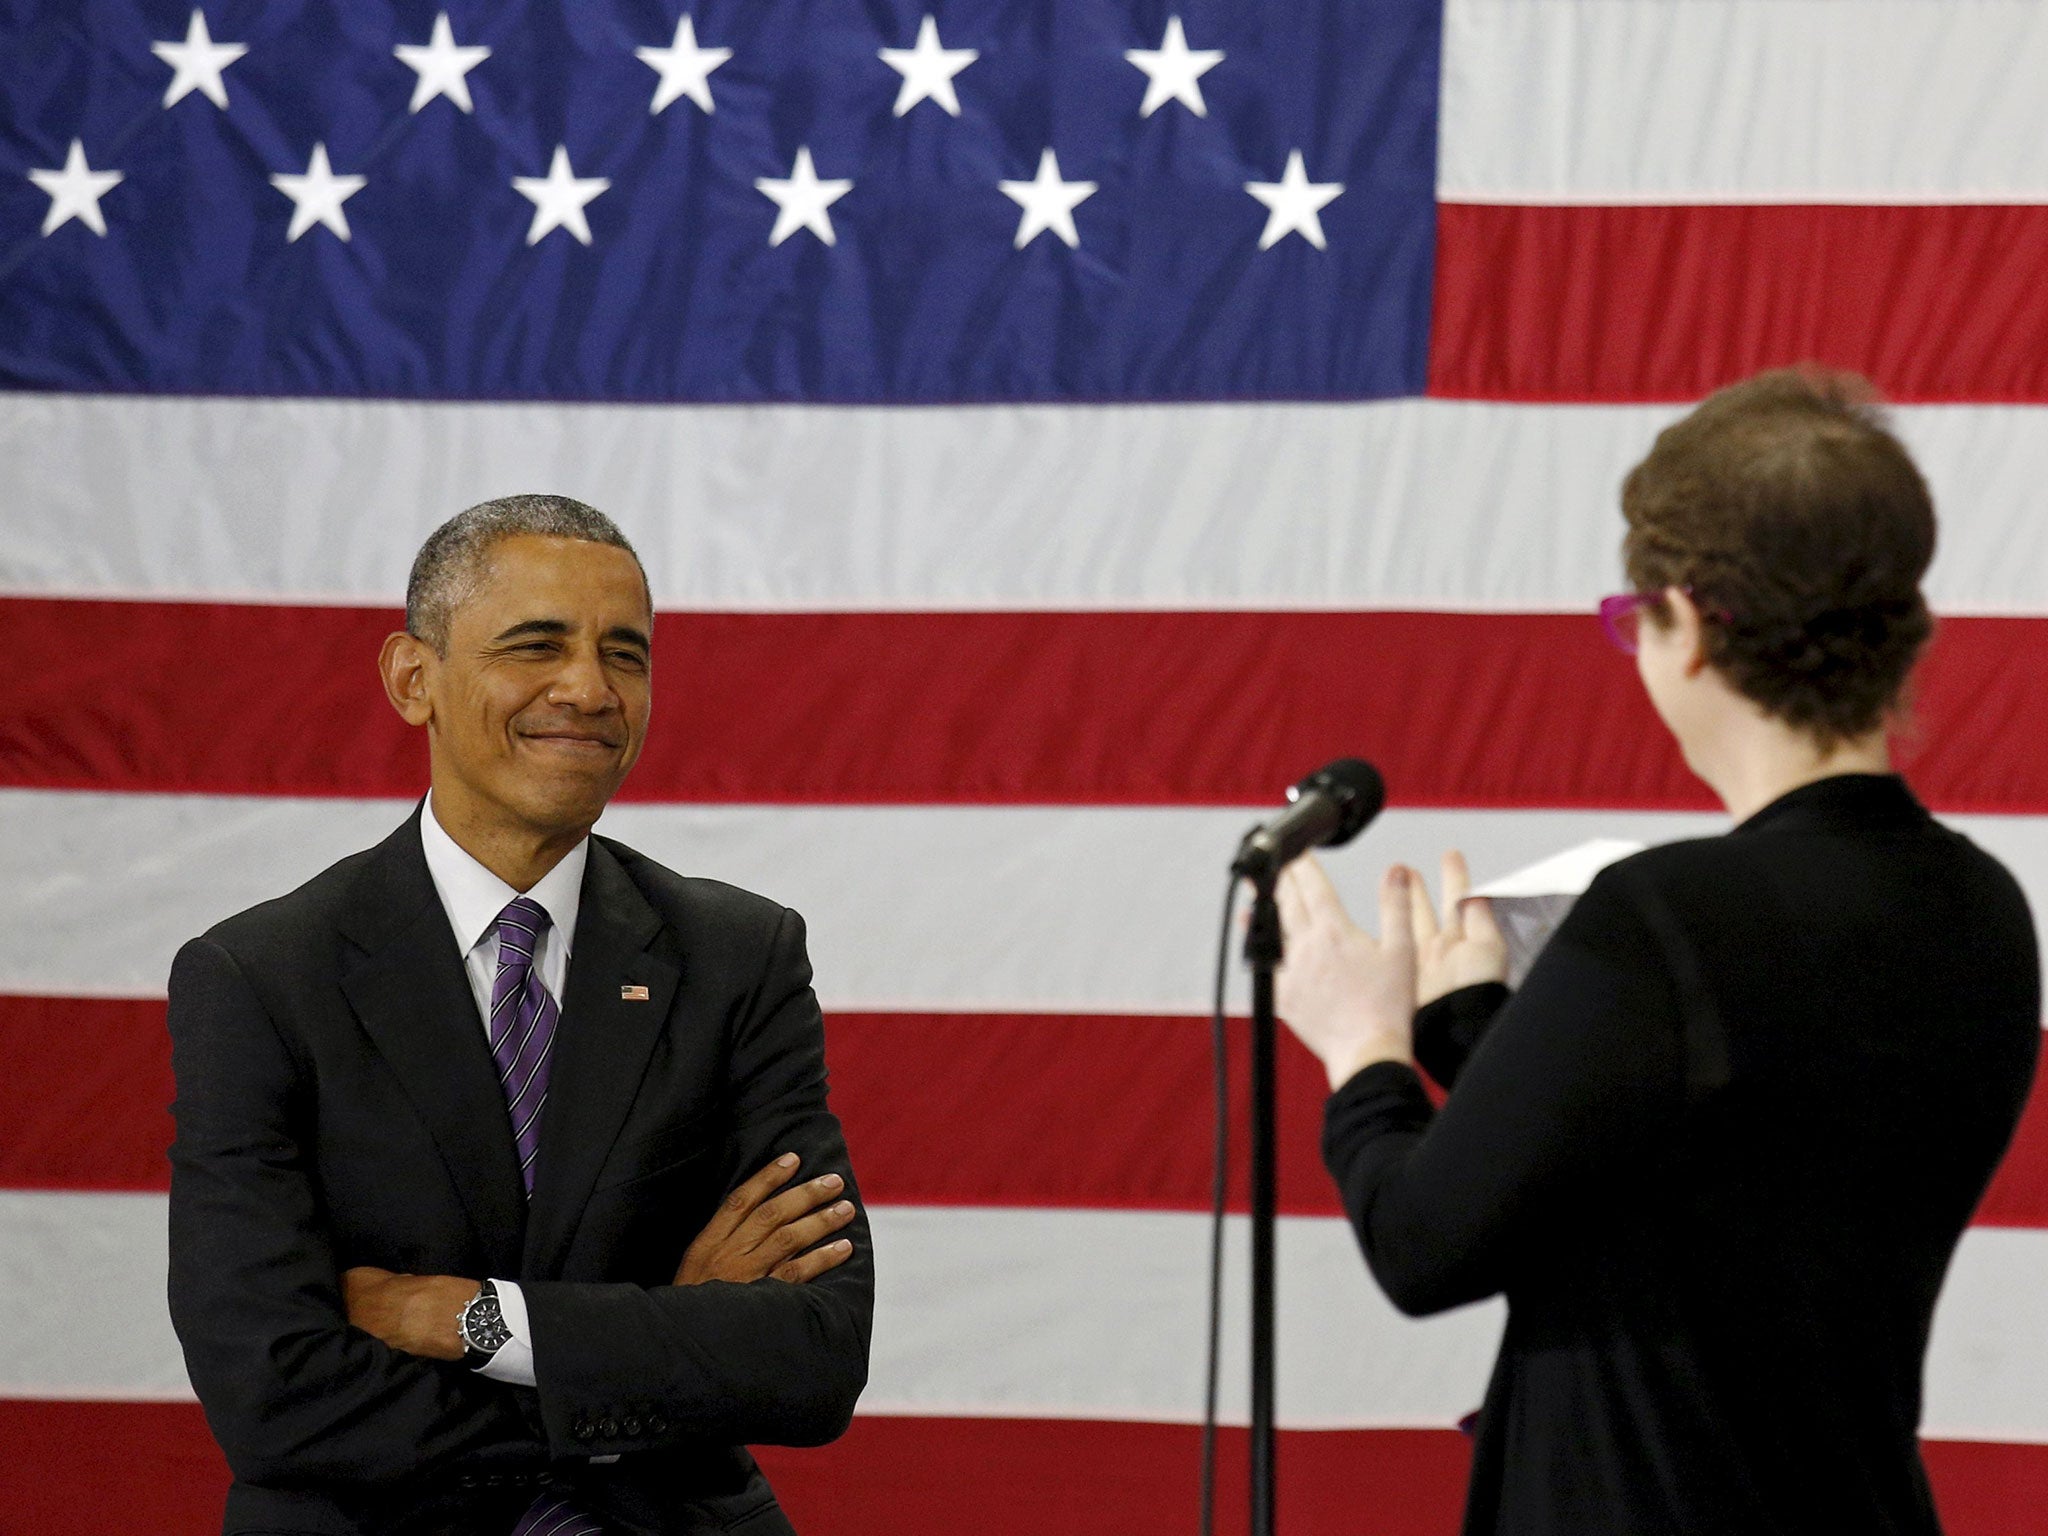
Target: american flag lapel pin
<point x="632" y="994"/>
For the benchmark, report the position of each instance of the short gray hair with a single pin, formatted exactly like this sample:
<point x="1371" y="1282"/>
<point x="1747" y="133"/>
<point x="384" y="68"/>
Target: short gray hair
<point x="451" y="563"/>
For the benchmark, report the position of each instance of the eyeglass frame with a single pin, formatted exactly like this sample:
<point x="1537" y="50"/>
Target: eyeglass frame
<point x="1614" y="610"/>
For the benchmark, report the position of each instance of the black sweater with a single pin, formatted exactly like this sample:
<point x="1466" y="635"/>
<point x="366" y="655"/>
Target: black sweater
<point x="1717" y="1151"/>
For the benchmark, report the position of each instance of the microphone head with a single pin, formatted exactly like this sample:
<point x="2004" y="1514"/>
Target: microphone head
<point x="1357" y="789"/>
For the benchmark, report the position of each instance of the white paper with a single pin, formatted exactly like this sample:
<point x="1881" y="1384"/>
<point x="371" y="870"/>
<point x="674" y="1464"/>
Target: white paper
<point x="1530" y="903"/>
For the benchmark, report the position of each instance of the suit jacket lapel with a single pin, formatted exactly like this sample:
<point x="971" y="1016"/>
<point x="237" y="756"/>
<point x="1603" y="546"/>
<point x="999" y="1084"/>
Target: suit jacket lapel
<point x="413" y="999"/>
<point x="600" y="1051"/>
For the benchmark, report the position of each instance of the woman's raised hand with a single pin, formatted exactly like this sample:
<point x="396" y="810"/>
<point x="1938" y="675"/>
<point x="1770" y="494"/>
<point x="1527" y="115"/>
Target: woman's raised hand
<point x="1461" y="948"/>
<point x="1349" y="997"/>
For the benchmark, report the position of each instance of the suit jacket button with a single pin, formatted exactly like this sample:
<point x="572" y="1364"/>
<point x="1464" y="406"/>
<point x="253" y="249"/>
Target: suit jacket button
<point x="632" y="1426"/>
<point x="583" y="1429"/>
<point x="609" y="1428"/>
<point x="657" y="1425"/>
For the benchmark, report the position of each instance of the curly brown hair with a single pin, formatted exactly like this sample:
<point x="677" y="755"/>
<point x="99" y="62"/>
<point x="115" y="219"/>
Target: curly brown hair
<point x="1802" y="528"/>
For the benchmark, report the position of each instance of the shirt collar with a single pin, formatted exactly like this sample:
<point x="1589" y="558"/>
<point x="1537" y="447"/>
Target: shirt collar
<point x="473" y="897"/>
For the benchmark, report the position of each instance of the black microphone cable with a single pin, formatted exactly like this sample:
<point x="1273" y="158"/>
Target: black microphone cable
<point x="1219" y="1188"/>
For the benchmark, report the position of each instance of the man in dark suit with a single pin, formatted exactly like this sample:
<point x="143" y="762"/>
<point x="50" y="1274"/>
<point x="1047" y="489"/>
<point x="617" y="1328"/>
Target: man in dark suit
<point x="505" y="1197"/>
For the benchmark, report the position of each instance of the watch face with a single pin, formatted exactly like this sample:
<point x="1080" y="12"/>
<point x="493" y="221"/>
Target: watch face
<point x="483" y="1325"/>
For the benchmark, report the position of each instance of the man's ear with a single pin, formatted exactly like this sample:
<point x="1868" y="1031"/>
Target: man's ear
<point x="403" y="664"/>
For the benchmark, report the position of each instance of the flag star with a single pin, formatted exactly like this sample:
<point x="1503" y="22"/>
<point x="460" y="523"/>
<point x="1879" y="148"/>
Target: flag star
<point x="928" y="69"/>
<point x="685" y="69"/>
<point x="196" y="63"/>
<point x="443" y="68"/>
<point x="1173" y="71"/>
<point x="559" y="198"/>
<point x="1294" y="204"/>
<point x="75" y="192"/>
<point x="318" y="195"/>
<point x="1048" y="202"/>
<point x="801" y="200"/>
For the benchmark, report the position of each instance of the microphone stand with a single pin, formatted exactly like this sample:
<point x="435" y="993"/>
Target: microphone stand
<point x="1262" y="951"/>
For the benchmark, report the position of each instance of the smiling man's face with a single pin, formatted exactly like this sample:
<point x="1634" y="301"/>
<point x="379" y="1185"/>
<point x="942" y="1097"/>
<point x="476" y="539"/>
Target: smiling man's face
<point x="540" y="705"/>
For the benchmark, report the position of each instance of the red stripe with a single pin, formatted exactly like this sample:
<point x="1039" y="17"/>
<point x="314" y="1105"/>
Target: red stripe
<point x="940" y="1109"/>
<point x="81" y="1469"/>
<point x="85" y="1089"/>
<point x="1667" y="303"/>
<point x="974" y="708"/>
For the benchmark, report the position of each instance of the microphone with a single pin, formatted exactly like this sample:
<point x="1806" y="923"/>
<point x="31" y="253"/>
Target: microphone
<point x="1330" y="807"/>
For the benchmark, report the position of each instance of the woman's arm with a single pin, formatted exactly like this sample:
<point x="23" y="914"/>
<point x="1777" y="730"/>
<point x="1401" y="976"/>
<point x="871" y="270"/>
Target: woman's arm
<point x="1558" y="1115"/>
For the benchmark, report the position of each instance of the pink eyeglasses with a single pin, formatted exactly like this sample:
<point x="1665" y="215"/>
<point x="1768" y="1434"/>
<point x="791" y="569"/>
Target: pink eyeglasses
<point x="1621" y="616"/>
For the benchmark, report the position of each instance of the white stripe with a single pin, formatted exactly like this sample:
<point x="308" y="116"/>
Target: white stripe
<point x="1036" y="909"/>
<point x="1745" y="101"/>
<point x="1069" y="909"/>
<point x="1038" y="1314"/>
<point x="1429" y="504"/>
<point x="1053" y="909"/>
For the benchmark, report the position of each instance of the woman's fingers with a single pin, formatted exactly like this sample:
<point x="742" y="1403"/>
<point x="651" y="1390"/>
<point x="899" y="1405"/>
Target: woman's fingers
<point x="1421" y="913"/>
<point x="1457" y="886"/>
<point x="1317" y="894"/>
<point x="1480" y="923"/>
<point x="1293" y="907"/>
<point x="1397" y="918"/>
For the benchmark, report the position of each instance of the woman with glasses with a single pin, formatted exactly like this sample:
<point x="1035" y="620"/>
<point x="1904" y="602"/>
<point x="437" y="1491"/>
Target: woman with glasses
<point x="1718" y="1148"/>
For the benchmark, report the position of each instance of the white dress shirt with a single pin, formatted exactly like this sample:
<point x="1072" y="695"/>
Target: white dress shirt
<point x="473" y="898"/>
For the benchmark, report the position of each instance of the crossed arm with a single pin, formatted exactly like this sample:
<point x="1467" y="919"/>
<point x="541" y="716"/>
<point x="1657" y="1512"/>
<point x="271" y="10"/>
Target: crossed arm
<point x="315" y="1374"/>
<point x="756" y="1234"/>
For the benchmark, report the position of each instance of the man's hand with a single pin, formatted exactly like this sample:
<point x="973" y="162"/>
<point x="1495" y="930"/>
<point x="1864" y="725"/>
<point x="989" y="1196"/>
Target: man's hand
<point x="414" y="1313"/>
<point x="755" y="1237"/>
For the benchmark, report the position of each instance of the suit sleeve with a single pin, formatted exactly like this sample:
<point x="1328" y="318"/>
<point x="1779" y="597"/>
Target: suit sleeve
<point x="622" y="1367"/>
<point x="292" y="1392"/>
<point x="1561" y="1105"/>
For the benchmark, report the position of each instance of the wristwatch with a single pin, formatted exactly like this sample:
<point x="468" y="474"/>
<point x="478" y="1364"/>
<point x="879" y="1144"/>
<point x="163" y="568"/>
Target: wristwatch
<point x="482" y="1327"/>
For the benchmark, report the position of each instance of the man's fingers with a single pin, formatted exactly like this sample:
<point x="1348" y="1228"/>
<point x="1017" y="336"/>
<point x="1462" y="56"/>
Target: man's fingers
<point x="773" y="1215"/>
<point x="742" y="1202"/>
<point x="809" y="1266"/>
<point x="796" y="1236"/>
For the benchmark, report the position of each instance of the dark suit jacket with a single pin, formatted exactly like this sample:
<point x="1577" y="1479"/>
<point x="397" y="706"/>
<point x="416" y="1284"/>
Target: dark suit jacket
<point x="337" y="1105"/>
<point x="1717" y="1151"/>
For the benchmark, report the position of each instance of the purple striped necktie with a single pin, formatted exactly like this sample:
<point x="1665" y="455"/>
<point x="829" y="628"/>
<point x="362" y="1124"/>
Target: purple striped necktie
<point x="523" y="1020"/>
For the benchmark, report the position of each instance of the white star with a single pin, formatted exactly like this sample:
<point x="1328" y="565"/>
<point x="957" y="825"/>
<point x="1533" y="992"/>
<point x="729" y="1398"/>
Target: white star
<point x="1048" y="202"/>
<point x="685" y="69"/>
<point x="558" y="198"/>
<point x="1173" y="71"/>
<point x="928" y="69"/>
<point x="443" y="68"/>
<point x="75" y="192"/>
<point x="196" y="63"/>
<point x="1294" y="204"/>
<point x="801" y="200"/>
<point x="318" y="195"/>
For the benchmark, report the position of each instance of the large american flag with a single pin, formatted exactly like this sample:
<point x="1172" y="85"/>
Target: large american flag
<point x="1051" y="426"/>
